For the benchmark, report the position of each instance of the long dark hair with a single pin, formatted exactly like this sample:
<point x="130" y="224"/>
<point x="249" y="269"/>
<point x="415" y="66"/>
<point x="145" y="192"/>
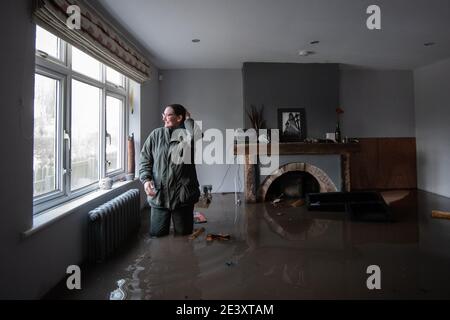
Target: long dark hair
<point x="179" y="110"/>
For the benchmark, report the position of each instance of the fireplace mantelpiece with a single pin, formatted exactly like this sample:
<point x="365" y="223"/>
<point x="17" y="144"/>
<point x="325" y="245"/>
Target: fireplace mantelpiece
<point x="295" y="148"/>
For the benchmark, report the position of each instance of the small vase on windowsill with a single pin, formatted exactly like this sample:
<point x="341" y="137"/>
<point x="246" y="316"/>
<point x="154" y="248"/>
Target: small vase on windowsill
<point x="337" y="133"/>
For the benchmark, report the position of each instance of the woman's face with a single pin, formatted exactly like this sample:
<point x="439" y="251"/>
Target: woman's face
<point x="171" y="120"/>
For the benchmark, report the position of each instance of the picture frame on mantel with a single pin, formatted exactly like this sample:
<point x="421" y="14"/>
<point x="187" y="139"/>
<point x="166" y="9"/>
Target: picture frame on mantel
<point x="292" y="124"/>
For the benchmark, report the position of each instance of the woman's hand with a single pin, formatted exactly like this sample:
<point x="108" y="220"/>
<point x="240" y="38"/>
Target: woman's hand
<point x="149" y="188"/>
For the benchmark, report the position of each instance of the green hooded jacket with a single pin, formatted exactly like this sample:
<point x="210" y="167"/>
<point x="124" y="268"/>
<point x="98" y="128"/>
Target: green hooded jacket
<point x="175" y="182"/>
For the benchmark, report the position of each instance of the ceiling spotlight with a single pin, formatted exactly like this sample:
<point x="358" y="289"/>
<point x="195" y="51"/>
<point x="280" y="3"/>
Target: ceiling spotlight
<point x="315" y="42"/>
<point x="305" y="53"/>
<point x="195" y="40"/>
<point x="429" y="44"/>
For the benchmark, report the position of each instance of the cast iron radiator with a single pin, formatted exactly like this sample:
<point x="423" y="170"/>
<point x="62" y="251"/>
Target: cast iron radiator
<point x="112" y="223"/>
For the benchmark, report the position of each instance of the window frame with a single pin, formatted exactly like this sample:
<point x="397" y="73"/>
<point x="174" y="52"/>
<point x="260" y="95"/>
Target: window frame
<point x="92" y="186"/>
<point x="62" y="70"/>
<point x="123" y="85"/>
<point x="62" y="46"/>
<point x="60" y="149"/>
<point x="102" y="79"/>
<point x="123" y="129"/>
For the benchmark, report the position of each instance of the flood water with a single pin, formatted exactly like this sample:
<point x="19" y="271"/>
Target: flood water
<point x="283" y="253"/>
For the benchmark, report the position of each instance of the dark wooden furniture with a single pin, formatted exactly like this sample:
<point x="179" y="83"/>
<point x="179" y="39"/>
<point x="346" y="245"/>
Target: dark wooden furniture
<point x="385" y="163"/>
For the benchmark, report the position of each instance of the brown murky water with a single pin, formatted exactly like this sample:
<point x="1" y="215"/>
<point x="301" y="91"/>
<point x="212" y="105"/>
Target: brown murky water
<point x="287" y="253"/>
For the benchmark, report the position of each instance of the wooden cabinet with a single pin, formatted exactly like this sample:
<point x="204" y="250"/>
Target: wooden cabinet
<point x="384" y="163"/>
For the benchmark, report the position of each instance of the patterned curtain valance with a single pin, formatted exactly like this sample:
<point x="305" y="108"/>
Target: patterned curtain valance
<point x="96" y="37"/>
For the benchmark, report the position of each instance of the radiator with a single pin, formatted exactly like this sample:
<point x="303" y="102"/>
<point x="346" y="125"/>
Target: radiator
<point x="112" y="223"/>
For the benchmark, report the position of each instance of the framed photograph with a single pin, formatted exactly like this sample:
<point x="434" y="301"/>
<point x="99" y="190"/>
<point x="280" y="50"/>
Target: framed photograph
<point x="292" y="124"/>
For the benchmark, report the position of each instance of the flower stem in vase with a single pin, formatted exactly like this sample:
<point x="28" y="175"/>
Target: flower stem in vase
<point x="338" y="132"/>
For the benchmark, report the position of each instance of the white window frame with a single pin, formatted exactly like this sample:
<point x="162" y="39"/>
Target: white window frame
<point x="122" y="133"/>
<point x="59" y="136"/>
<point x="62" y="50"/>
<point x="123" y="85"/>
<point x="47" y="65"/>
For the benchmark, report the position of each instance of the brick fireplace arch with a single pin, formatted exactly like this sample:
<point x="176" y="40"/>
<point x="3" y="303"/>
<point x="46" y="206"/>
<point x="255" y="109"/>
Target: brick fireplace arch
<point x="325" y="183"/>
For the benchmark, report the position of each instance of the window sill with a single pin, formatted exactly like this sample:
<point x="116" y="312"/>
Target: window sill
<point x="49" y="217"/>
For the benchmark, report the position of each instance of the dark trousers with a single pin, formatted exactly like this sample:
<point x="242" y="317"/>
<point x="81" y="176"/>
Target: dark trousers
<point x="183" y="221"/>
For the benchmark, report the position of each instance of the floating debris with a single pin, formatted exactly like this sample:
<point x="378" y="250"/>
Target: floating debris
<point x="199" y="218"/>
<point x="440" y="214"/>
<point x="298" y="203"/>
<point x="119" y="293"/>
<point x="276" y="201"/>
<point x="211" y="237"/>
<point x="196" y="233"/>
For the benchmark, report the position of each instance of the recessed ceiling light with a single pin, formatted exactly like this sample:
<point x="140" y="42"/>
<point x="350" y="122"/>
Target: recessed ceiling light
<point x="195" y="40"/>
<point x="315" y="42"/>
<point x="429" y="44"/>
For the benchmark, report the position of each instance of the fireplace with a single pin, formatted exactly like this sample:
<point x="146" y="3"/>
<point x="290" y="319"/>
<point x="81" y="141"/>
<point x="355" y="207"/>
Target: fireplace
<point x="292" y="185"/>
<point x="295" y="180"/>
<point x="310" y="176"/>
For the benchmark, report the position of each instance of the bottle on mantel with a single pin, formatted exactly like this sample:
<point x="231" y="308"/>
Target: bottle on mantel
<point x="338" y="133"/>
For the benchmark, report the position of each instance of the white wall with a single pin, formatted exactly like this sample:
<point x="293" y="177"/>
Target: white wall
<point x="213" y="96"/>
<point x="377" y="103"/>
<point x="32" y="266"/>
<point x="146" y="98"/>
<point x="134" y="119"/>
<point x="432" y="106"/>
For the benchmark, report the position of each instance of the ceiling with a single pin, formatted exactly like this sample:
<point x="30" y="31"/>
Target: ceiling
<point x="237" y="31"/>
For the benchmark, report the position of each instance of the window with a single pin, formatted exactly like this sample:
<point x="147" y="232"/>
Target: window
<point x="86" y="65"/>
<point x="48" y="45"/>
<point x="86" y="101"/>
<point x="114" y="77"/>
<point x="46" y="105"/>
<point x="114" y="147"/>
<point x="80" y="122"/>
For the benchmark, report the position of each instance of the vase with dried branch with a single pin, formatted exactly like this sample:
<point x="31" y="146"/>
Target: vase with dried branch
<point x="338" y="134"/>
<point x="256" y="117"/>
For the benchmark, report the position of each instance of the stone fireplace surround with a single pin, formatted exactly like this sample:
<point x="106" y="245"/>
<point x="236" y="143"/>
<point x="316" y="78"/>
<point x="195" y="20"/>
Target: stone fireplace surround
<point x="325" y="182"/>
<point x="256" y="193"/>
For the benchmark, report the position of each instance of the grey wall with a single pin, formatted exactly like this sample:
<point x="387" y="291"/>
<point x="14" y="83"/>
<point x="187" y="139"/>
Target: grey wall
<point x="377" y="103"/>
<point x="314" y="87"/>
<point x="16" y="85"/>
<point x="213" y="96"/>
<point x="432" y="106"/>
<point x="30" y="267"/>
